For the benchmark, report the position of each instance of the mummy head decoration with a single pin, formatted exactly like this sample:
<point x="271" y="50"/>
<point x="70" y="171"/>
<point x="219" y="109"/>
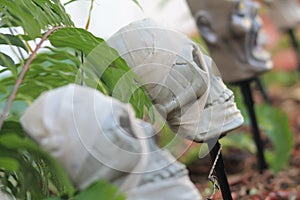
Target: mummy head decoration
<point x="97" y="137"/>
<point x="284" y="13"/>
<point x="231" y="28"/>
<point x="84" y="130"/>
<point x="183" y="84"/>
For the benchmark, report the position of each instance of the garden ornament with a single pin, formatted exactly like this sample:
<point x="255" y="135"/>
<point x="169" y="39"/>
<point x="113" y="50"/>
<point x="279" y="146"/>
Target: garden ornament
<point x="5" y="196"/>
<point x="230" y="29"/>
<point x="284" y="13"/>
<point x="97" y="137"/>
<point x="183" y="83"/>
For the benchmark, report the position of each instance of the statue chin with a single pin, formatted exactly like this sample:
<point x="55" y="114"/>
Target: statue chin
<point x="235" y="27"/>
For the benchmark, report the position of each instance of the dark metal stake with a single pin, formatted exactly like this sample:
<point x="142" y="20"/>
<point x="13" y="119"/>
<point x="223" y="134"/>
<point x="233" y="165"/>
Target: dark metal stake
<point x="248" y="99"/>
<point x="219" y="169"/>
<point x="262" y="90"/>
<point x="295" y="44"/>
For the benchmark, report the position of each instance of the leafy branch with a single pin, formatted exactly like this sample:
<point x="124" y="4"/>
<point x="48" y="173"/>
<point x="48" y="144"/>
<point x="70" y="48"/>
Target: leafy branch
<point x="22" y="75"/>
<point x="26" y="171"/>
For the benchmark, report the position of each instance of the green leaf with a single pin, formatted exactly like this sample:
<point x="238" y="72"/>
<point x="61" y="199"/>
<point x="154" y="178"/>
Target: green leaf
<point x="276" y="125"/>
<point x="138" y="4"/>
<point x="9" y="164"/>
<point x="7" y="61"/>
<point x="34" y="16"/>
<point x="16" y="143"/>
<point x="104" y="65"/>
<point x="12" y="127"/>
<point x="100" y="190"/>
<point x="76" y="38"/>
<point x="26" y="20"/>
<point x="52" y="67"/>
<point x="12" y="40"/>
<point x="71" y="1"/>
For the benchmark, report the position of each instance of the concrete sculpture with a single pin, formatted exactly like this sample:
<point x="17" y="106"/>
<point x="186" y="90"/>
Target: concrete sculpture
<point x="184" y="84"/>
<point x="97" y="137"/>
<point x="230" y="29"/>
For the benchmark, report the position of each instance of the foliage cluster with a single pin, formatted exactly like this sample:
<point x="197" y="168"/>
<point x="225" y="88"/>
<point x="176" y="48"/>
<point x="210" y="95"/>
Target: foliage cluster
<point x="40" y="34"/>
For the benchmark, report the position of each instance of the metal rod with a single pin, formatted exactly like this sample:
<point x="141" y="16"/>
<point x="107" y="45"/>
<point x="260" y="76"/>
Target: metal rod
<point x="262" y="90"/>
<point x="248" y="99"/>
<point x="219" y="169"/>
<point x="295" y="44"/>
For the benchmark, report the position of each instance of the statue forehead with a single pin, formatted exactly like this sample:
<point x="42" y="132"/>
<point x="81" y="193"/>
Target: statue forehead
<point x="219" y="11"/>
<point x="220" y="7"/>
<point x="144" y="41"/>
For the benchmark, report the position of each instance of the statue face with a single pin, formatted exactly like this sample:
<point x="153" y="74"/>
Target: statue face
<point x="284" y="13"/>
<point x="103" y="132"/>
<point x="183" y="84"/>
<point x="97" y="137"/>
<point x="230" y="29"/>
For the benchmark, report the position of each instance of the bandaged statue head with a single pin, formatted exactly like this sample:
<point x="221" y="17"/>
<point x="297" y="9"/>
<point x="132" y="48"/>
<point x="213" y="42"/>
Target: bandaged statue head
<point x="230" y="28"/>
<point x="183" y="84"/>
<point x="97" y="137"/>
<point x="284" y="13"/>
<point x="97" y="127"/>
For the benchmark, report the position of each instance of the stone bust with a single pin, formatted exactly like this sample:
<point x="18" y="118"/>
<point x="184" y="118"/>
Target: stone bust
<point x="230" y="29"/>
<point x="184" y="84"/>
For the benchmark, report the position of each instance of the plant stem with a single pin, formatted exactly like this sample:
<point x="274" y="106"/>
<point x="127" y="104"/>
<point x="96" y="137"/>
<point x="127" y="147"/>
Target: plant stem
<point x="22" y="75"/>
<point x="90" y="14"/>
<point x="29" y="47"/>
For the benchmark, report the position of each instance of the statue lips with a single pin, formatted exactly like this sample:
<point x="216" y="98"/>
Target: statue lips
<point x="182" y="82"/>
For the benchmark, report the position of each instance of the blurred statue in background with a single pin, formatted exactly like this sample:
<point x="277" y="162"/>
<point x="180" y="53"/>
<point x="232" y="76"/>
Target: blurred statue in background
<point x="284" y="13"/>
<point x="184" y="84"/>
<point x="97" y="137"/>
<point x="230" y="29"/>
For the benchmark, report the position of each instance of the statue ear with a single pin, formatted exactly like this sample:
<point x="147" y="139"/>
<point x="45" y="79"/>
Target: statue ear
<point x="203" y="21"/>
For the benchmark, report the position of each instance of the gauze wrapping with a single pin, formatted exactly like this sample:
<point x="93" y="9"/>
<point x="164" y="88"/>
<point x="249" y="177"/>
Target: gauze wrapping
<point x="5" y="196"/>
<point x="163" y="177"/>
<point x="178" y="79"/>
<point x="96" y="137"/>
<point x="92" y="135"/>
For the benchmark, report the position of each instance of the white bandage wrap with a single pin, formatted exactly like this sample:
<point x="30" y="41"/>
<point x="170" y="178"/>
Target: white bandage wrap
<point x="84" y="130"/>
<point x="183" y="84"/>
<point x="97" y="137"/>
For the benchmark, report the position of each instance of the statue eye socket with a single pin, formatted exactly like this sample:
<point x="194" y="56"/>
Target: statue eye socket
<point x="202" y="21"/>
